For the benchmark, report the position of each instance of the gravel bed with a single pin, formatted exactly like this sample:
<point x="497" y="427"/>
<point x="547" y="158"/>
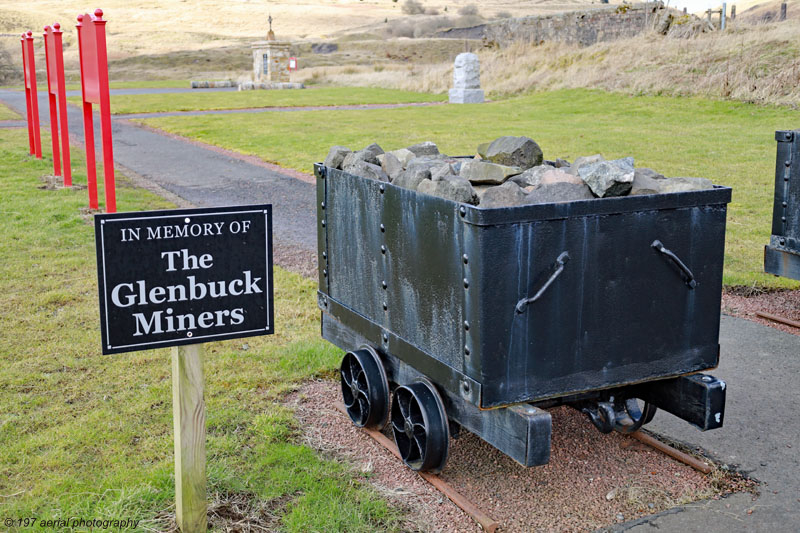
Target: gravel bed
<point x="745" y="302"/>
<point x="592" y="480"/>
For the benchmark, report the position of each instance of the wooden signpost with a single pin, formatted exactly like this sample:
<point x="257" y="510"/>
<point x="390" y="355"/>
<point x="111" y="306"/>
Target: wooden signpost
<point x="57" y="92"/>
<point x="31" y="98"/>
<point x="94" y="88"/>
<point x="176" y="278"/>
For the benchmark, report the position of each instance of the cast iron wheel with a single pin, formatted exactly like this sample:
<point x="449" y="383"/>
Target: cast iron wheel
<point x="365" y="389"/>
<point x="419" y="425"/>
<point x="631" y="417"/>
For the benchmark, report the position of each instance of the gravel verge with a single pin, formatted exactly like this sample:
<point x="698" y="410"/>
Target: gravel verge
<point x="592" y="480"/>
<point x="744" y="302"/>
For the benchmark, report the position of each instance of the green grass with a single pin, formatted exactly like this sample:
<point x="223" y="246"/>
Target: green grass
<point x="90" y="436"/>
<point x="731" y="143"/>
<point x="199" y="99"/>
<point x="6" y="113"/>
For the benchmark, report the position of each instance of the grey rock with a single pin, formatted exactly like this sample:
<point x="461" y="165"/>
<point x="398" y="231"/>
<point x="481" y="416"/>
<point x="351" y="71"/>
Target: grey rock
<point x="403" y="155"/>
<point x="480" y="190"/>
<point x="336" y="156"/>
<point x="439" y="172"/>
<point x="324" y="48"/>
<point x="608" y="178"/>
<point x="391" y="165"/>
<point x="584" y="160"/>
<point x="625" y="162"/>
<point x="557" y="176"/>
<point x="371" y="153"/>
<point x="482" y="148"/>
<point x="562" y="163"/>
<point x="649" y="172"/>
<point x="515" y="151"/>
<point x="366" y="170"/>
<point x="453" y="188"/>
<point x="424" y="149"/>
<point x="554" y="193"/>
<point x="685" y="184"/>
<point x="646" y="181"/>
<point x="482" y="172"/>
<point x="508" y="194"/>
<point x="418" y="170"/>
<point x="531" y="177"/>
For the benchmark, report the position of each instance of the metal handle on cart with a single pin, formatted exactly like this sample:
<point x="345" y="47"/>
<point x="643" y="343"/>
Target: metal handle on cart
<point x="560" y="262"/>
<point x="686" y="274"/>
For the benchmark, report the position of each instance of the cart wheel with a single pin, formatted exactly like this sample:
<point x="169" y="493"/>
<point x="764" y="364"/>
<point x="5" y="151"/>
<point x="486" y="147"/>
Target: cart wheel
<point x="365" y="389"/>
<point x="419" y="424"/>
<point x="631" y="417"/>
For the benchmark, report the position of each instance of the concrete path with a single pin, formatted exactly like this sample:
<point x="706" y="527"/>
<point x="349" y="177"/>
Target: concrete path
<point x="761" y="435"/>
<point x="274" y="110"/>
<point x="761" y="365"/>
<point x="201" y="176"/>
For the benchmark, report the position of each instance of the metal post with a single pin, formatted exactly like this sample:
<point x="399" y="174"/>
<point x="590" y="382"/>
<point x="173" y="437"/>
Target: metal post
<point x="722" y="16"/>
<point x="783" y="11"/>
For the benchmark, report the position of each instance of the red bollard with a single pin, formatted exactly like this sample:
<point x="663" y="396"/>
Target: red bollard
<point x="94" y="87"/>
<point x="32" y="98"/>
<point x="57" y="91"/>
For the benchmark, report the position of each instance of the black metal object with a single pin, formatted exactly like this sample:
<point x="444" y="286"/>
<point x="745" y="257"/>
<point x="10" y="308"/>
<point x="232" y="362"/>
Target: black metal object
<point x="521" y="431"/>
<point x="782" y="254"/>
<point x="699" y="399"/>
<point x="365" y="389"/>
<point x="420" y="427"/>
<point x="443" y="291"/>
<point x="184" y="276"/>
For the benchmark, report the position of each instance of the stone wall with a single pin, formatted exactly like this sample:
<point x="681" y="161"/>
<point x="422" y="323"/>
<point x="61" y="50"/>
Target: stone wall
<point x="576" y="27"/>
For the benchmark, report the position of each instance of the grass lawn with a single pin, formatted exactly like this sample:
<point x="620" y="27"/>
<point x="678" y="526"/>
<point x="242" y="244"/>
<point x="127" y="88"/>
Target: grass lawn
<point x="202" y="100"/>
<point x="731" y="143"/>
<point x="6" y="113"/>
<point x="90" y="436"/>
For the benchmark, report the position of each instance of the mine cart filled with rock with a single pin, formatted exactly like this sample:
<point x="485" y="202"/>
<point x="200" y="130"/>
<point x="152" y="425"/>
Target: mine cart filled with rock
<point x="478" y="292"/>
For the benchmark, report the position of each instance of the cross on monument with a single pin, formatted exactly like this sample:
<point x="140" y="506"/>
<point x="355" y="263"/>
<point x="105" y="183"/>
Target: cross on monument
<point x="270" y="33"/>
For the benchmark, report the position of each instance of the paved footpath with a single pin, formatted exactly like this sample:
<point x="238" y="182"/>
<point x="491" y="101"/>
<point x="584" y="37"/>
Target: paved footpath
<point x="761" y="365"/>
<point x="200" y="176"/>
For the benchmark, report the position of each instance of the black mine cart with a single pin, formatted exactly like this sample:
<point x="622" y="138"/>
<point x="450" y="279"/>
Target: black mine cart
<point x="455" y="317"/>
<point x="782" y="254"/>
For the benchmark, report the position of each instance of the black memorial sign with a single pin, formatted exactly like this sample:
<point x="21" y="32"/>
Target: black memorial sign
<point x="184" y="276"/>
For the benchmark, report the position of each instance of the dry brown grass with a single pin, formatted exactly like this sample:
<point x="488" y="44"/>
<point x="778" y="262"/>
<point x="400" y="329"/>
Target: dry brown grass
<point x="753" y="63"/>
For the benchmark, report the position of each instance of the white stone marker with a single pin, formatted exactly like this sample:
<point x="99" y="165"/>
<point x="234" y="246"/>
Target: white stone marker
<point x="466" y="80"/>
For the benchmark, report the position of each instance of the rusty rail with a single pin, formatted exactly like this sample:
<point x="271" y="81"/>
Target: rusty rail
<point x="684" y="458"/>
<point x="776" y="318"/>
<point x="485" y="521"/>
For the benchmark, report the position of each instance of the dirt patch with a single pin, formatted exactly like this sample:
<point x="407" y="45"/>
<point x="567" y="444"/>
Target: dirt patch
<point x="87" y="214"/>
<point x="592" y="480"/>
<point x="56" y="183"/>
<point x="744" y="302"/>
<point x="231" y="513"/>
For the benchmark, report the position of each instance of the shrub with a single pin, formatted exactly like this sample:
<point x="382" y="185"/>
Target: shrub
<point x="470" y="10"/>
<point x="412" y="7"/>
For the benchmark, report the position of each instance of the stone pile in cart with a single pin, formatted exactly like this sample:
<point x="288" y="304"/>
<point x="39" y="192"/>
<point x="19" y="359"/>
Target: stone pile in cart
<point x="509" y="171"/>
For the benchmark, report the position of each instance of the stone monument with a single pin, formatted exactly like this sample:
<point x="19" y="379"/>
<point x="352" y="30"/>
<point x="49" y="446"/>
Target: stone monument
<point x="466" y="80"/>
<point x="270" y="59"/>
